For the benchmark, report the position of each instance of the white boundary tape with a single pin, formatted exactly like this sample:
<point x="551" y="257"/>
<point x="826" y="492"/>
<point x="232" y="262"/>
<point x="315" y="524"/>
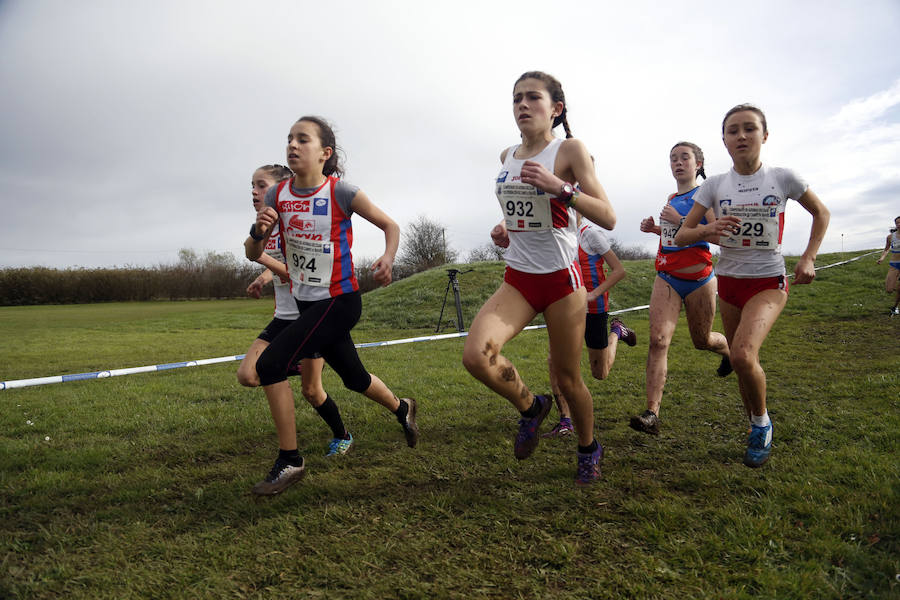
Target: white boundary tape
<point x="20" y="383"/>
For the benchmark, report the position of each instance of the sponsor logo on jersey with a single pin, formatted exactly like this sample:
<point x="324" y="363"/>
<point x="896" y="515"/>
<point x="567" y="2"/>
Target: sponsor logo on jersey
<point x="320" y="206"/>
<point x="301" y="224"/>
<point x="725" y="202"/>
<point x="294" y="206"/>
<point x="741" y="190"/>
<point x="502" y="176"/>
<point x="771" y="200"/>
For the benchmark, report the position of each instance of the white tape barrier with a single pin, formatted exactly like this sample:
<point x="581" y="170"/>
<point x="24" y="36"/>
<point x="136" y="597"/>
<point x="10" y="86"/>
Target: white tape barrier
<point x="20" y="383"/>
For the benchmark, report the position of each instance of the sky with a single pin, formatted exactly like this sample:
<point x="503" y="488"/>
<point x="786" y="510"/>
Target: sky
<point x="130" y="130"/>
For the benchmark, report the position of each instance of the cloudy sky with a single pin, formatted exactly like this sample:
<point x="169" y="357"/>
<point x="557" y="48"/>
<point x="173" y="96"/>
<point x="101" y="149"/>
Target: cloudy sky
<point x="129" y="130"/>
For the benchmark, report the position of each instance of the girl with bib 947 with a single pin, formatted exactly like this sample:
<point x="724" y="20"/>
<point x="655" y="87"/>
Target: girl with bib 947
<point x="537" y="195"/>
<point x="684" y="276"/>
<point x="749" y="203"/>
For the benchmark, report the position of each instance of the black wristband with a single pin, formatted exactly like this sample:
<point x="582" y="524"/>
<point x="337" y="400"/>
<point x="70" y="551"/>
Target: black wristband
<point x="254" y="235"/>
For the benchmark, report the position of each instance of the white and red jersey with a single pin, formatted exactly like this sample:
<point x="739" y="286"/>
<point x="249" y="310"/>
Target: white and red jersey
<point x="592" y="245"/>
<point x="542" y="229"/>
<point x="759" y="201"/>
<point x="285" y="306"/>
<point x="316" y="235"/>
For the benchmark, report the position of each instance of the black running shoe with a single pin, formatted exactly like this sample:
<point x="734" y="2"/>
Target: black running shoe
<point x="646" y="422"/>
<point x="410" y="429"/>
<point x="724" y="369"/>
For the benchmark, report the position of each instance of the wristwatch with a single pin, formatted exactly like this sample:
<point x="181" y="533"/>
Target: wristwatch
<point x="254" y="235"/>
<point x="568" y="194"/>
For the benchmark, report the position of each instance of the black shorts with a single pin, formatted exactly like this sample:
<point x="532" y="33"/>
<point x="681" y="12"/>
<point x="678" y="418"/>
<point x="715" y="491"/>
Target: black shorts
<point x="275" y="327"/>
<point x="323" y="326"/>
<point x="596" y="335"/>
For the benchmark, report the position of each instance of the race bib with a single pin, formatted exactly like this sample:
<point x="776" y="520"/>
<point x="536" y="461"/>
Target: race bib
<point x="758" y="227"/>
<point x="667" y="231"/>
<point x="525" y="208"/>
<point x="310" y="262"/>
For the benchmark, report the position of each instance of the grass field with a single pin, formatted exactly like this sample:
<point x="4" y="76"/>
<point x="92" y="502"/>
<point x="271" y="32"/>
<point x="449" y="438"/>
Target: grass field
<point x="138" y="486"/>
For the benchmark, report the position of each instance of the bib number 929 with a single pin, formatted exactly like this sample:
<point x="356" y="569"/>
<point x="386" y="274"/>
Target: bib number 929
<point x="751" y="229"/>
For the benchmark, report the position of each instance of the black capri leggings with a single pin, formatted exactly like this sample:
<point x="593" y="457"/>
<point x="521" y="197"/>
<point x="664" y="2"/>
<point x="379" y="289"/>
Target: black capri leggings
<point x="324" y="327"/>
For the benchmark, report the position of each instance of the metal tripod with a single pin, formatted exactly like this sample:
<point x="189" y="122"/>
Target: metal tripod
<point x="453" y="282"/>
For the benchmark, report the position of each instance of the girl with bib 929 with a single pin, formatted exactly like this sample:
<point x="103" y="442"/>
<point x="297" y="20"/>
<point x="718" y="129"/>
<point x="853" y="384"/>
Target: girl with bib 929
<point x="749" y="203"/>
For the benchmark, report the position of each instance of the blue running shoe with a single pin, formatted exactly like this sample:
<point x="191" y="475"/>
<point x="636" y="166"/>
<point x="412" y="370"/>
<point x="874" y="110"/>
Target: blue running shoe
<point x="589" y="466"/>
<point x="527" y="438"/>
<point x="339" y="446"/>
<point x="759" y="445"/>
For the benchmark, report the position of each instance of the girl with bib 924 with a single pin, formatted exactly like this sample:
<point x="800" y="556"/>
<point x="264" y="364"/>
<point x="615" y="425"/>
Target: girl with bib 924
<point x="749" y="203"/>
<point x="311" y="213"/>
<point x="536" y="191"/>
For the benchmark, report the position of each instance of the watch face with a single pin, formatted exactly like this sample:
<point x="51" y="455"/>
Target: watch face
<point x="567" y="189"/>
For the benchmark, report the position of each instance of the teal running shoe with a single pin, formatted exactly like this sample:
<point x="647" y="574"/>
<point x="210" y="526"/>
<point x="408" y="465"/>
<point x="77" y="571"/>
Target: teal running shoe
<point x="339" y="446"/>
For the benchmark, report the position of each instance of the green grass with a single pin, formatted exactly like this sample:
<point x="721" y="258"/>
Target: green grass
<point x="143" y="487"/>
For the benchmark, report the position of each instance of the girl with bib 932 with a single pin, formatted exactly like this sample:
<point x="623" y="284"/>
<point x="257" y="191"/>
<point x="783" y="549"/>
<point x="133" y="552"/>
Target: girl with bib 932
<point x="536" y="191"/>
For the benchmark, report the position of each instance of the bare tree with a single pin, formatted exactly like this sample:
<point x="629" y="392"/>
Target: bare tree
<point x="424" y="246"/>
<point x="486" y="252"/>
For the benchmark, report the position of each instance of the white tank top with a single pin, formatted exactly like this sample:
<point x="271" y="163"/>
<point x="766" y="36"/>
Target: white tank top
<point x="285" y="306"/>
<point x="543" y="235"/>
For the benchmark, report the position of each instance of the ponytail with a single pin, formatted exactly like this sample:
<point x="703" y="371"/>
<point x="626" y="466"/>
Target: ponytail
<point x="554" y="88"/>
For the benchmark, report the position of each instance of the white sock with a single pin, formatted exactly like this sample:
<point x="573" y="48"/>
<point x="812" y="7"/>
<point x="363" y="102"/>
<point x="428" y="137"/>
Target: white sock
<point x="761" y="421"/>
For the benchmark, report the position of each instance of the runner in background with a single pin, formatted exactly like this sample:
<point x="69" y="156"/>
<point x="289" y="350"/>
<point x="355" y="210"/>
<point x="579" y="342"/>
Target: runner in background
<point x="684" y="277"/>
<point x="892" y="281"/>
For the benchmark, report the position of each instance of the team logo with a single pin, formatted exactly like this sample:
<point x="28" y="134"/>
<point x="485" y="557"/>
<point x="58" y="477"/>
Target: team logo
<point x="294" y="206"/>
<point x="502" y="177"/>
<point x="320" y="206"/>
<point x="301" y="224"/>
<point x="771" y="201"/>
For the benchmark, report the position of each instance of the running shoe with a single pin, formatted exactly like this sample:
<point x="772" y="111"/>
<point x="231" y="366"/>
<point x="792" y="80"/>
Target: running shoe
<point x="561" y="429"/>
<point x="588" y="466"/>
<point x="339" y="446"/>
<point x="724" y="369"/>
<point x="281" y="477"/>
<point x="759" y="445"/>
<point x="410" y="429"/>
<point x="527" y="438"/>
<point x="626" y="335"/>
<point x="647" y="422"/>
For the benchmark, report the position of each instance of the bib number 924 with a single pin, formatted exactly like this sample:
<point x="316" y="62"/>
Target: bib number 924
<point x="303" y="263"/>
